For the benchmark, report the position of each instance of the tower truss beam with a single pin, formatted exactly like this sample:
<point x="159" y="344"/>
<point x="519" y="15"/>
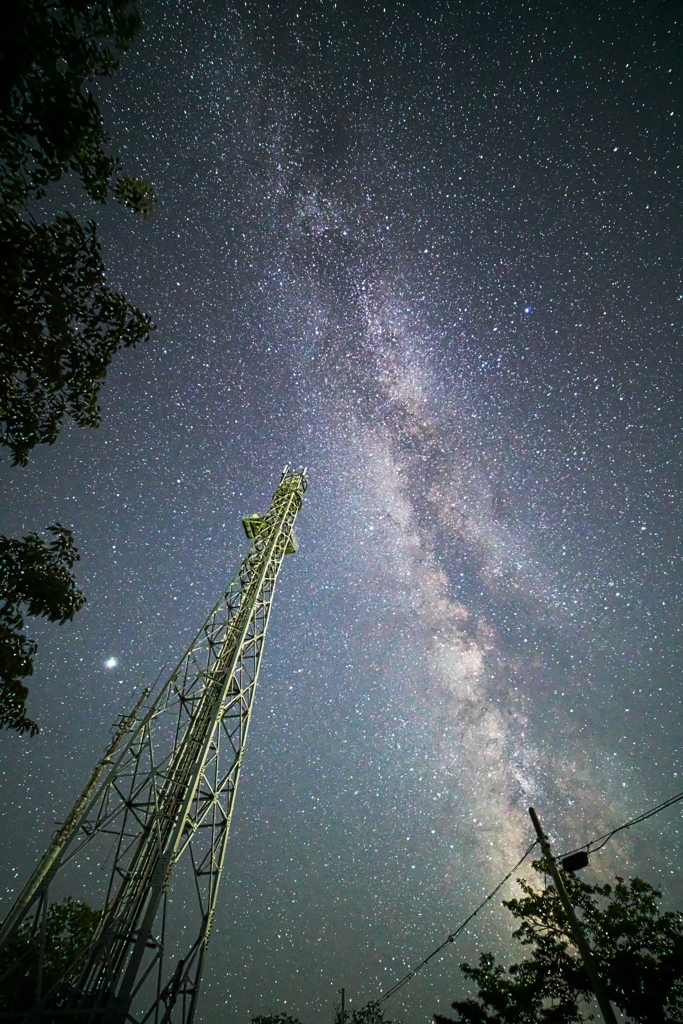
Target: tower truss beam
<point x="158" y="805"/>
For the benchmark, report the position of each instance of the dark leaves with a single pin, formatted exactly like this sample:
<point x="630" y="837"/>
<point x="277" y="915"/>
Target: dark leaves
<point x="637" y="948"/>
<point x="49" y="121"/>
<point x="68" y="929"/>
<point x="136" y="194"/>
<point x="275" y="1018"/>
<point x="60" y="325"/>
<point x="35" y="579"/>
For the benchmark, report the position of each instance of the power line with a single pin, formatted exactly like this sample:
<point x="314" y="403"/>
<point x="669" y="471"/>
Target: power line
<point x="592" y="846"/>
<point x="597" y="844"/>
<point x="453" y="936"/>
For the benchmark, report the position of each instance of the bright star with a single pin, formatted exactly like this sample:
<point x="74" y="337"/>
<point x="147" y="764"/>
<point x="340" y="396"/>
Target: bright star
<point x="111" y="662"/>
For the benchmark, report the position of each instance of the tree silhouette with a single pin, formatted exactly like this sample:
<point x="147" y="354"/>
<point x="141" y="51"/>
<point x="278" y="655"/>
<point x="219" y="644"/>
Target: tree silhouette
<point x="275" y="1018"/>
<point x="637" y="947"/>
<point x="35" y="579"/>
<point x="67" y="930"/>
<point x="370" y="1013"/>
<point x="49" y="120"/>
<point x="59" y="323"/>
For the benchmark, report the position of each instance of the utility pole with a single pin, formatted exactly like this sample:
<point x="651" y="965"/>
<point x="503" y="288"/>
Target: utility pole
<point x="575" y="925"/>
<point x="157" y="807"/>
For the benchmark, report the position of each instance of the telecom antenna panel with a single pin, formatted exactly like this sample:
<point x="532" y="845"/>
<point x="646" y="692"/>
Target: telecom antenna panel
<point x="158" y="806"/>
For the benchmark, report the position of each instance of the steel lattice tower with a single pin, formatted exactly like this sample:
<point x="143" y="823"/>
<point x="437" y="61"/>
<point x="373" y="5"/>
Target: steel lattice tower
<point x="160" y="804"/>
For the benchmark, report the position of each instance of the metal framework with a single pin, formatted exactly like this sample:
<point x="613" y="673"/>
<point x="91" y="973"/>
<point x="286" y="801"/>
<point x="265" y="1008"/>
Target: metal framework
<point x="157" y="804"/>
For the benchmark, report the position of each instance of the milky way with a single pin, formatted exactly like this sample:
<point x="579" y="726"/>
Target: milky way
<point x="434" y="255"/>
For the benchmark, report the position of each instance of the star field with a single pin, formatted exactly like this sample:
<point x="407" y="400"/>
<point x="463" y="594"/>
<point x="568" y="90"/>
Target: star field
<point x="433" y="253"/>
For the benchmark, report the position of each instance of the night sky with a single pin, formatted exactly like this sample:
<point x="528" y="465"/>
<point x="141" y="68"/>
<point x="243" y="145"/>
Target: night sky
<point x="433" y="252"/>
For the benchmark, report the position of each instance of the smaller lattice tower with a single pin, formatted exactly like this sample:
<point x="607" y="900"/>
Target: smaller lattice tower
<point x="152" y="824"/>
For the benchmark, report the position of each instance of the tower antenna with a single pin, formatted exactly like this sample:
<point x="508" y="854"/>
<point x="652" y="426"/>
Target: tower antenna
<point x="157" y="807"/>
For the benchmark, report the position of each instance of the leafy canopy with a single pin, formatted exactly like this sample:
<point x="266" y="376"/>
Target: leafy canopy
<point x="637" y="947"/>
<point x="35" y="579"/>
<point x="60" y="324"/>
<point x="49" y="120"/>
<point x="69" y="927"/>
<point x="275" y="1018"/>
<point x="370" y="1013"/>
